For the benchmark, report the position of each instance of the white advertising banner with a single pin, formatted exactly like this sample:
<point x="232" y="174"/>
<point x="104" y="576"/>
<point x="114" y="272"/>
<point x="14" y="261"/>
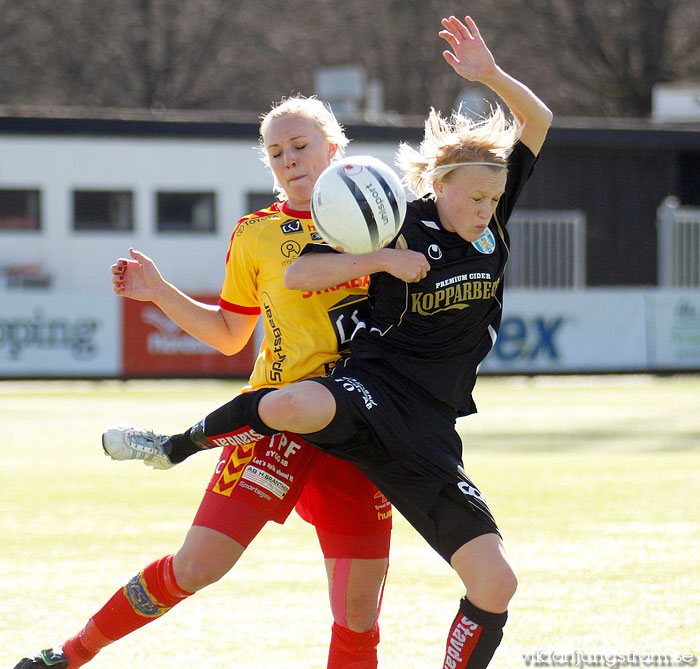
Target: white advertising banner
<point x="673" y="321"/>
<point x="49" y="334"/>
<point x="571" y="331"/>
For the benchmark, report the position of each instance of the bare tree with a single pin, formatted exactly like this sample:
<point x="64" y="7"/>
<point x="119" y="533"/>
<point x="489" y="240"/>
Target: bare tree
<point x="145" y="53"/>
<point x="602" y="57"/>
<point x="599" y="57"/>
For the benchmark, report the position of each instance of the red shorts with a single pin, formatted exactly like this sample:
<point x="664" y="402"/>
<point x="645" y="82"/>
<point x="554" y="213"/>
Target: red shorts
<point x="254" y="483"/>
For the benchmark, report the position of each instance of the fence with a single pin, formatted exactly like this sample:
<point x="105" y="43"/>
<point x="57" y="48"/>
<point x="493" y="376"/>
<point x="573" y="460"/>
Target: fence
<point x="678" y="230"/>
<point x="548" y="249"/>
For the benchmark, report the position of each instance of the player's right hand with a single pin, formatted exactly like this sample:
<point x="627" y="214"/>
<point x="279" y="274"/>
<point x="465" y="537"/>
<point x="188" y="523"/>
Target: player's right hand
<point x="404" y="264"/>
<point x="137" y="278"/>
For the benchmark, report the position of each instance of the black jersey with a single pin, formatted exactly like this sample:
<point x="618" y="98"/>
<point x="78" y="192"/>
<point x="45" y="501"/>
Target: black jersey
<point x="438" y="330"/>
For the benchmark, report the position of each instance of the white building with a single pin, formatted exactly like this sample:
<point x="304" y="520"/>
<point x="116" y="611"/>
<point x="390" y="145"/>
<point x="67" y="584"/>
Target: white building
<point x="76" y="194"/>
<point x="77" y="191"/>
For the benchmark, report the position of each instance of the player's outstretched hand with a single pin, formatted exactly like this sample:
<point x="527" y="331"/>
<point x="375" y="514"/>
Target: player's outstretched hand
<point x="137" y="278"/>
<point x="470" y="57"/>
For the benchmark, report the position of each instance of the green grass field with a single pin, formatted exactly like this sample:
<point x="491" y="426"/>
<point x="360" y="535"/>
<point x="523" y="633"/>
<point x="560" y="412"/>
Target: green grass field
<point x="595" y="482"/>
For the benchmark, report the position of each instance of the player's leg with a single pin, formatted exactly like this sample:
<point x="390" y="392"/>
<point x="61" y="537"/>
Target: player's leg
<point x="156" y="589"/>
<point x="223" y="527"/>
<point x="486" y="572"/>
<point x="355" y="588"/>
<point x="429" y="487"/>
<point x="353" y="522"/>
<point x="490" y="582"/>
<point x="301" y="407"/>
<point x="460" y="527"/>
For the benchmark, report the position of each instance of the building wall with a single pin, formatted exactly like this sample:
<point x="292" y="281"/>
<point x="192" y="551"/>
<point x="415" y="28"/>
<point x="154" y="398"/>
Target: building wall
<point x="78" y="327"/>
<point x="617" y="175"/>
<point x="620" y="191"/>
<point x="77" y="260"/>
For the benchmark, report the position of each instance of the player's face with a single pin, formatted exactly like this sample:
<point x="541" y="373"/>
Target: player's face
<point x="467" y="199"/>
<point x="298" y="151"/>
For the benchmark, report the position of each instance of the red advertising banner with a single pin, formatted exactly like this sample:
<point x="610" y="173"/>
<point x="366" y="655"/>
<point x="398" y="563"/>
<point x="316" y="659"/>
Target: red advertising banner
<point x="154" y="346"/>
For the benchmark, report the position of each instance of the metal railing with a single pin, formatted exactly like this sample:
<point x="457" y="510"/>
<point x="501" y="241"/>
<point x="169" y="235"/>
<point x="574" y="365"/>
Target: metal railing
<point x="547" y="249"/>
<point x="678" y="230"/>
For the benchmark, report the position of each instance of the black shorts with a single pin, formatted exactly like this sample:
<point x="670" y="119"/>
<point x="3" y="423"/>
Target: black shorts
<point x="406" y="443"/>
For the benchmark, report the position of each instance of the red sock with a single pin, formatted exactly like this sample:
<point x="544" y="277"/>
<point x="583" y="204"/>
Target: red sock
<point x="147" y="596"/>
<point x="353" y="650"/>
<point x="473" y="638"/>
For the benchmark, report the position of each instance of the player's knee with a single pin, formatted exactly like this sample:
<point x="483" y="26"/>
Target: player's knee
<point x="194" y="572"/>
<point x="285" y="406"/>
<point x="506" y="585"/>
<point x="496" y="589"/>
<point x="299" y="408"/>
<point x="361" y="612"/>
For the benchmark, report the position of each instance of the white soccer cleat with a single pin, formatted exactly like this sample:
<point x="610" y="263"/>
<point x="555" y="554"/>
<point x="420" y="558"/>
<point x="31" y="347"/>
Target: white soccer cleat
<point x="126" y="442"/>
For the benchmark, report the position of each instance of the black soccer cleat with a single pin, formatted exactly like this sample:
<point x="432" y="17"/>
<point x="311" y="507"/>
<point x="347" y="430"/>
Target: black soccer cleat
<point x="47" y="658"/>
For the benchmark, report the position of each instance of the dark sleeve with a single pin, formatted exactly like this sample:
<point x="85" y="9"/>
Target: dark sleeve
<point x="520" y="165"/>
<point x="317" y="248"/>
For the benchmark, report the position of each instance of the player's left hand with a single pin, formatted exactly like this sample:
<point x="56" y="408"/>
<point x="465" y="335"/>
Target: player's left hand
<point x="470" y="57"/>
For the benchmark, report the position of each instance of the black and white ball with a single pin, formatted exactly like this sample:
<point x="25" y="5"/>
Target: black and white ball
<point x="358" y="204"/>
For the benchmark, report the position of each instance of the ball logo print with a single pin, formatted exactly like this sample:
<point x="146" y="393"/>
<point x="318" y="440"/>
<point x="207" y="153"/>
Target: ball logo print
<point x="351" y="170"/>
<point x="358" y="205"/>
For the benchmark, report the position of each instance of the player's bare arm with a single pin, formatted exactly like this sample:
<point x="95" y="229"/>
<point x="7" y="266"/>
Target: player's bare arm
<point x="138" y="278"/>
<point x="318" y="271"/>
<point x="472" y="60"/>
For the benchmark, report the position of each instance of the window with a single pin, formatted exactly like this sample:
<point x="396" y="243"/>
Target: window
<point x="19" y="209"/>
<point x="186" y="212"/>
<point x="258" y="201"/>
<point x="103" y="210"/>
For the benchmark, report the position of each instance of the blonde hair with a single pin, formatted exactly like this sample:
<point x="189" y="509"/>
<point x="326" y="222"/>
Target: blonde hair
<point x="451" y="142"/>
<point x="311" y="108"/>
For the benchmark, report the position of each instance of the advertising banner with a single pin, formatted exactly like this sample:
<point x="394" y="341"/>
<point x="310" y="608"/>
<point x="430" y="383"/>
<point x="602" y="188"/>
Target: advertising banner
<point x="154" y="346"/>
<point x="570" y="331"/>
<point x="50" y="334"/>
<point x="54" y="335"/>
<point x="673" y="321"/>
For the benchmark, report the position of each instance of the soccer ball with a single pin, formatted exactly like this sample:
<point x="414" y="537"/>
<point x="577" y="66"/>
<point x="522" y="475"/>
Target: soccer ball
<point x="358" y="204"/>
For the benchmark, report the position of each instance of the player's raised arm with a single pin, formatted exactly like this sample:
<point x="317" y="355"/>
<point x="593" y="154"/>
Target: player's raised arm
<point x="472" y="60"/>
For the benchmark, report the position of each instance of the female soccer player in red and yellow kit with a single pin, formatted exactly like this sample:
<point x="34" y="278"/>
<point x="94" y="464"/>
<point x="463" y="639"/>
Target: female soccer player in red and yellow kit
<point x="254" y="483"/>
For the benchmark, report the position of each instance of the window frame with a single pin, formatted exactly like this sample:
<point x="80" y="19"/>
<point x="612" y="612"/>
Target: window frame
<point x="106" y="225"/>
<point x="37" y="193"/>
<point x="179" y="227"/>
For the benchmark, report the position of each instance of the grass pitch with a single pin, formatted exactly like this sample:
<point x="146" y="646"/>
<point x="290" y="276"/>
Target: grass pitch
<point x="595" y="482"/>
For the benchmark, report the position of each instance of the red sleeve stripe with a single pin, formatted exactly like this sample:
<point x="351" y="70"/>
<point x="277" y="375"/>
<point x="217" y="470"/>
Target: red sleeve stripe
<point x="238" y="309"/>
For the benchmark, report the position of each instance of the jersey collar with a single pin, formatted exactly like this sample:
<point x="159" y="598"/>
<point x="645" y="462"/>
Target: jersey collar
<point x="293" y="212"/>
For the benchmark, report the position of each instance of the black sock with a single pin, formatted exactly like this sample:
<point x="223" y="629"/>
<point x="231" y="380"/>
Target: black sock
<point x="240" y="412"/>
<point x="474" y="637"/>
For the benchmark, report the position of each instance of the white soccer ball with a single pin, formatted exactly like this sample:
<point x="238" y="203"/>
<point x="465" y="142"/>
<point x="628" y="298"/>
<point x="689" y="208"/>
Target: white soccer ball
<point x="358" y="204"/>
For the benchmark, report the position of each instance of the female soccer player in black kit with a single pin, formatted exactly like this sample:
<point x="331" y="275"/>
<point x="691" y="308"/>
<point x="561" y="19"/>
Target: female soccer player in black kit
<point x="391" y="406"/>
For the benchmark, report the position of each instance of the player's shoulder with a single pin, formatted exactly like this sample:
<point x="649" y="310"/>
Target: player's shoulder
<point x="274" y="220"/>
<point x="421" y="221"/>
<point x="258" y="221"/>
